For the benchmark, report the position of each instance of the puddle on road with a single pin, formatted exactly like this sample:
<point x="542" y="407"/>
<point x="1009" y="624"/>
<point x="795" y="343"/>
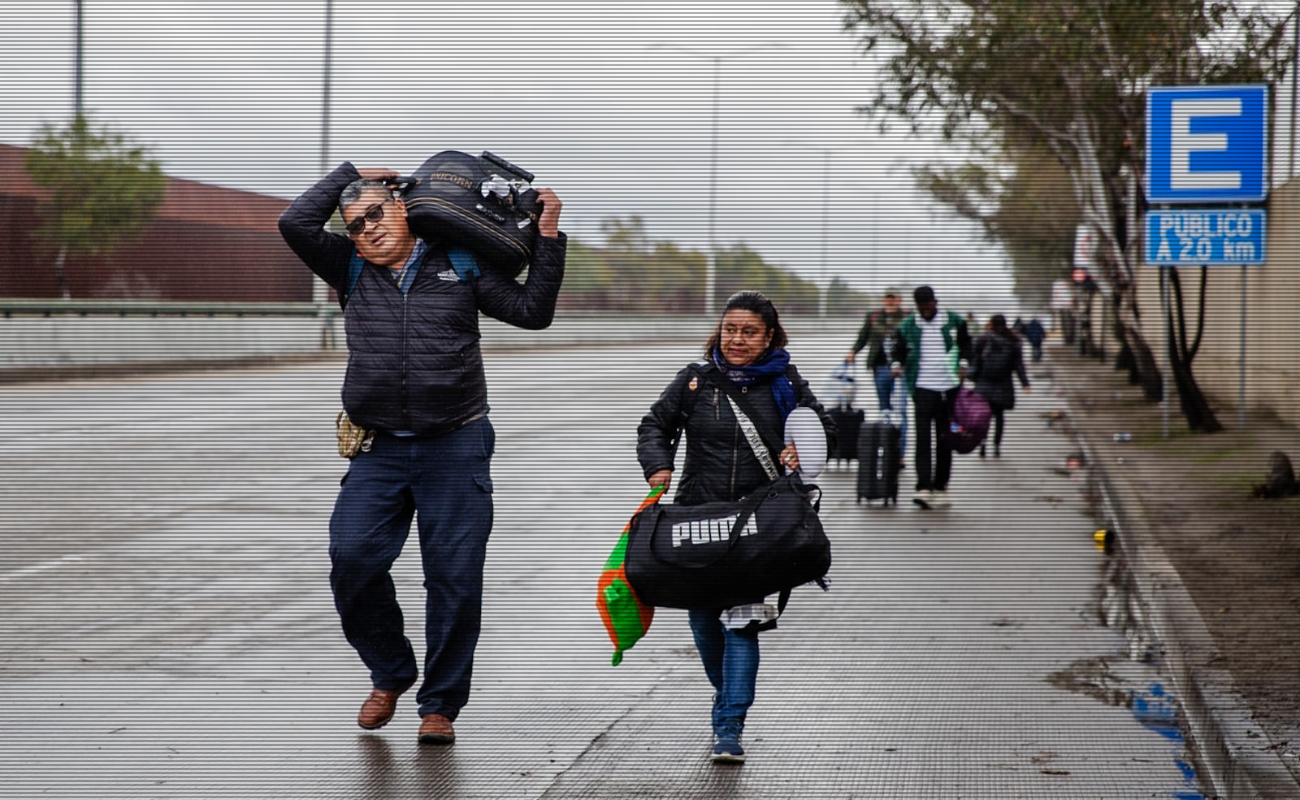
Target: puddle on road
<point x="1133" y="679"/>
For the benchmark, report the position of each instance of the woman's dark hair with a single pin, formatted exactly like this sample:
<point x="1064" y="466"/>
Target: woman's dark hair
<point x="758" y="303"/>
<point x="998" y="325"/>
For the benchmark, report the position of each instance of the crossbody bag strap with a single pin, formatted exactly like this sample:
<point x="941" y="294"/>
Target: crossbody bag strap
<point x="762" y="448"/>
<point x="755" y="440"/>
<point x="769" y="436"/>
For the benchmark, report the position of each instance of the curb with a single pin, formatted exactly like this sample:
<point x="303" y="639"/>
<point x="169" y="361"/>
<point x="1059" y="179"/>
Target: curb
<point x="120" y="369"/>
<point x="1238" y="759"/>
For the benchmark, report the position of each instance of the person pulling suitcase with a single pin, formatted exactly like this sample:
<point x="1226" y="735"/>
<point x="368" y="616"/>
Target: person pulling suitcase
<point x="876" y="336"/>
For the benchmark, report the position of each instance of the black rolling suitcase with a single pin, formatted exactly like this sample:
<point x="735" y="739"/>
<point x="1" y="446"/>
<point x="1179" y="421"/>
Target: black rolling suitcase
<point x="848" y="426"/>
<point x="483" y="203"/>
<point x="878" y="457"/>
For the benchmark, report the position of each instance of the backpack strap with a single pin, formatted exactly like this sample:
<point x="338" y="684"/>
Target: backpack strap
<point x="355" y="264"/>
<point x="464" y="263"/>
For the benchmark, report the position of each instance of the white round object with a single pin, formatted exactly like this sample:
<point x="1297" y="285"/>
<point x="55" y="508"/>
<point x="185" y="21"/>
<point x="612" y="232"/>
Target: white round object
<point x="803" y="429"/>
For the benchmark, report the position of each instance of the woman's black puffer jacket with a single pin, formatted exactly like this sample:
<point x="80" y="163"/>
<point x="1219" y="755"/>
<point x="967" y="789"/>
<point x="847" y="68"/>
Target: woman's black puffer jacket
<point x="720" y="465"/>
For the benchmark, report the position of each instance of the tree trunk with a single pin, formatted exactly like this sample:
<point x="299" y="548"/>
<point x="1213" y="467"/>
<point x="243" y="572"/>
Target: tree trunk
<point x="1200" y="417"/>
<point x="60" y="275"/>
<point x="1146" y="371"/>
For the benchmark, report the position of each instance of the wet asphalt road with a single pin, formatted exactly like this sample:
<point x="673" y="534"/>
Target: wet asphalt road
<point x="166" y="629"/>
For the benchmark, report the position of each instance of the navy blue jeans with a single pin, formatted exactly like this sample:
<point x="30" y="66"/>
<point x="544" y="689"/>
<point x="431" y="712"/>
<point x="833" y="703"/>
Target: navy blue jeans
<point x="731" y="664"/>
<point x="885" y="397"/>
<point x="444" y="484"/>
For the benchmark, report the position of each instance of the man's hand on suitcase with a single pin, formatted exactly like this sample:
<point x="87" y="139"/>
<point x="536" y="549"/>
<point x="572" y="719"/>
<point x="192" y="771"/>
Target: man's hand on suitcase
<point x="548" y="224"/>
<point x="382" y="174"/>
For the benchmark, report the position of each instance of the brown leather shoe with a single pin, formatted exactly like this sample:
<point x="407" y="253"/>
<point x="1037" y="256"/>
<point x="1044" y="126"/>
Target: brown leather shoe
<point x="436" y="729"/>
<point x="378" y="709"/>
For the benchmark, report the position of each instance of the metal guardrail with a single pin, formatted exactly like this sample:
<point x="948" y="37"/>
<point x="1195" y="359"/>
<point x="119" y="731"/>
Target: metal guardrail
<point x="154" y="308"/>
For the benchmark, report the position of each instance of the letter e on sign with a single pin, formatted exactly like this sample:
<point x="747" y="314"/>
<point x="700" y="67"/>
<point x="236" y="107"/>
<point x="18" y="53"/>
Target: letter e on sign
<point x="1207" y="144"/>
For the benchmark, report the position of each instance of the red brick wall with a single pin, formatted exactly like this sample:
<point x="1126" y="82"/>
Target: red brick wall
<point x="207" y="243"/>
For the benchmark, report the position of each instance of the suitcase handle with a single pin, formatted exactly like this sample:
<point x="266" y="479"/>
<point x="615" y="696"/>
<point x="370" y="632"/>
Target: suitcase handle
<point x="492" y="158"/>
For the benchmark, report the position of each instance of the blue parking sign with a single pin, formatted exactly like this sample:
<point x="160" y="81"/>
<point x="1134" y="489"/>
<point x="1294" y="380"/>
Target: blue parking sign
<point x="1207" y="144"/>
<point x="1188" y="237"/>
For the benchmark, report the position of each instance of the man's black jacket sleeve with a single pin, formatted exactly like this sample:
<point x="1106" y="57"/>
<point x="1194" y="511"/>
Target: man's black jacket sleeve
<point x="531" y="304"/>
<point x="303" y="227"/>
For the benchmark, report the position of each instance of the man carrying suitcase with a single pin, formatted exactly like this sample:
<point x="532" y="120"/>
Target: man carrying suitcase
<point x="415" y="395"/>
<point x="876" y="336"/>
<point x="933" y="350"/>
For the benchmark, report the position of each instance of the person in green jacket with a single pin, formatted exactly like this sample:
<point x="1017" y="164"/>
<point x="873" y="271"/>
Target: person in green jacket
<point x="932" y="350"/>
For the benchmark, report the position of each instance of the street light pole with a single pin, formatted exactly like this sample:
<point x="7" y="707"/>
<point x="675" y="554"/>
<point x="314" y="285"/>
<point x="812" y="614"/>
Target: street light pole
<point x="77" y="105"/>
<point x="319" y="289"/>
<point x="826" y="212"/>
<point x="823" y="302"/>
<point x="325" y="88"/>
<point x="711" y="268"/>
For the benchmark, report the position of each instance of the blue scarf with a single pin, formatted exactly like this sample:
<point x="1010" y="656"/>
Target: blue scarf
<point x="773" y="365"/>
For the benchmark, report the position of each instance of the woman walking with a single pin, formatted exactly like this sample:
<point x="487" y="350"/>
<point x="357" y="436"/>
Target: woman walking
<point x="747" y="348"/>
<point x="998" y="357"/>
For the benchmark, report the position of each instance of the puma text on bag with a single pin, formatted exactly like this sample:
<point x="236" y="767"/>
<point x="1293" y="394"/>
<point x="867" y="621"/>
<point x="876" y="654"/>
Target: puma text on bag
<point x="723" y="554"/>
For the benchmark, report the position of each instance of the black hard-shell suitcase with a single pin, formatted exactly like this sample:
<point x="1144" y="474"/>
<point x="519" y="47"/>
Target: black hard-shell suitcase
<point x="482" y="203"/>
<point x="878" y="457"/>
<point x="848" y="426"/>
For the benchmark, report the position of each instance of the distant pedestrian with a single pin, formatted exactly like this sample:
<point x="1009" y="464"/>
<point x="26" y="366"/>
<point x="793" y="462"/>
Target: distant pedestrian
<point x="933" y="351"/>
<point x="415" y="398"/>
<point x="1035" y="333"/>
<point x="748" y="349"/>
<point x="998" y="357"/>
<point x="876" y="336"/>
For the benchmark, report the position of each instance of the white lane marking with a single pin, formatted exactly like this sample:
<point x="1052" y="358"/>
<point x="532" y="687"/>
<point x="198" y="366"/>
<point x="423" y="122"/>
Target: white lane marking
<point x="41" y="567"/>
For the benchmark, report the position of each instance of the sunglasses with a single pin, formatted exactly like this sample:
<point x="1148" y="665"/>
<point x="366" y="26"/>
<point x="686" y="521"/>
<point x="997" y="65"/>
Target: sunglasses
<point x="373" y="214"/>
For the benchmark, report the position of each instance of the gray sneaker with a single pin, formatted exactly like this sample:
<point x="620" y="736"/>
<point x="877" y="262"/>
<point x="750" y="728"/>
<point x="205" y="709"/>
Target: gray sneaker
<point x="727" y="748"/>
<point x="940" y="499"/>
<point x="924" y="498"/>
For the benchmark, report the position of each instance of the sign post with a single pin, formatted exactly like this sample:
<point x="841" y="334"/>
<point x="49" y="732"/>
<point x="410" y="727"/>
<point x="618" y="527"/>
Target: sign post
<point x="1207" y="145"/>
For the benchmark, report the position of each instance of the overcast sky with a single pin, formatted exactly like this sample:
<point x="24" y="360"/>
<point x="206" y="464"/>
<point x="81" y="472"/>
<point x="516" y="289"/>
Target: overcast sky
<point x="584" y="94"/>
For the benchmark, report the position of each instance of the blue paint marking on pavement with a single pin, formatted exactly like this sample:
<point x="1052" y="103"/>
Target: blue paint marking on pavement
<point x="1157" y="710"/>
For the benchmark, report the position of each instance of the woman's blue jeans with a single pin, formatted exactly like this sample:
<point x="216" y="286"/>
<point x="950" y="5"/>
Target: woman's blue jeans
<point x="731" y="663"/>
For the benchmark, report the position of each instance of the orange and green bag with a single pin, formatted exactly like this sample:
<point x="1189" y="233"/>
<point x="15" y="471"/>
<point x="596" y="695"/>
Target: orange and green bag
<point x="626" y="618"/>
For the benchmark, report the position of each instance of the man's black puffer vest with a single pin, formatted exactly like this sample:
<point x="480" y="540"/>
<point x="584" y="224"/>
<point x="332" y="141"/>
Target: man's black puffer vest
<point x="398" y="380"/>
<point x="414" y="362"/>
